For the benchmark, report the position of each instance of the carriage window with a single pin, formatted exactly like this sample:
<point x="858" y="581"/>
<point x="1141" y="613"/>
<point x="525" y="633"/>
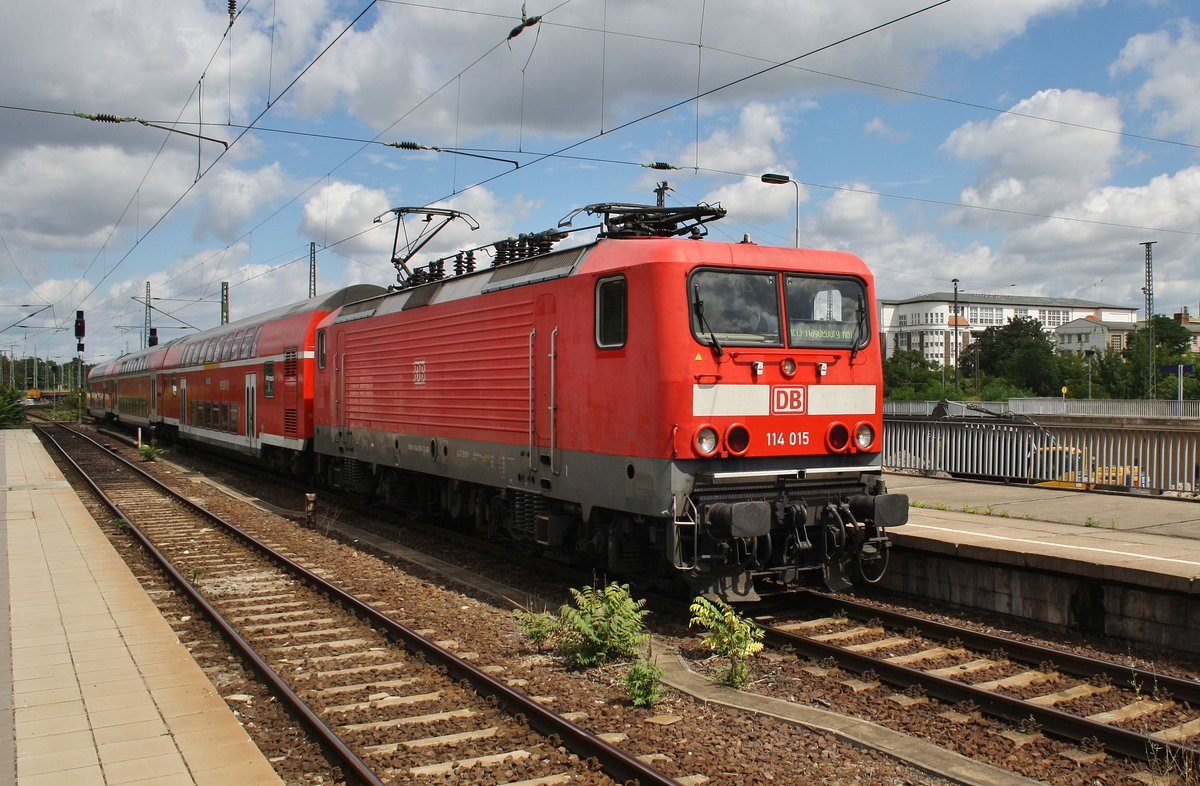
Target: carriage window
<point x="254" y="341"/>
<point x="269" y="379"/>
<point x="320" y="349"/>
<point x="735" y="308"/>
<point x="612" y="313"/>
<point x="826" y="312"/>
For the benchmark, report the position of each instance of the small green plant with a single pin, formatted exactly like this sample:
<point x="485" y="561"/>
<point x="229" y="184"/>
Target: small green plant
<point x="1091" y="522"/>
<point x="536" y="626"/>
<point x="730" y="635"/>
<point x="149" y="452"/>
<point x="602" y="626"/>
<point x="643" y="680"/>
<point x="199" y="573"/>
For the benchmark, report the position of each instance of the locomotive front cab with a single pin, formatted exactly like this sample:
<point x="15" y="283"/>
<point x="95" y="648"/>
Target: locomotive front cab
<point x="782" y="482"/>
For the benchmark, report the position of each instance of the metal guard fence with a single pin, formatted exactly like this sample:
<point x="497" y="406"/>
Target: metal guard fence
<point x="1155" y="460"/>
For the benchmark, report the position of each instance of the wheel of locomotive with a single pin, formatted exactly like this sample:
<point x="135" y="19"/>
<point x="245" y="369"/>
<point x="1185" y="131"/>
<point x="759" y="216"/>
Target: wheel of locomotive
<point x="452" y="502"/>
<point x="479" y="508"/>
<point x="497" y="515"/>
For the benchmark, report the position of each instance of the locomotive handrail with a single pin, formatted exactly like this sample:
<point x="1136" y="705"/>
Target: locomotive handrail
<point x="553" y="398"/>
<point x="532" y="334"/>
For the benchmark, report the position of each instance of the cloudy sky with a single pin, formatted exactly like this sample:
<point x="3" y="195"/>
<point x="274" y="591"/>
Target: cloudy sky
<point x="1021" y="146"/>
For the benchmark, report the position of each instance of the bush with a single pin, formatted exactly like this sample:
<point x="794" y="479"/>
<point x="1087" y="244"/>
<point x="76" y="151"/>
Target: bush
<point x="149" y="452"/>
<point x="602" y="626"/>
<point x="536" y="627"/>
<point x="730" y="635"/>
<point x="643" y="680"/>
<point x="12" y="411"/>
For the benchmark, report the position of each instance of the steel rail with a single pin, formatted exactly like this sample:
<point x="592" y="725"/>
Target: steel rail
<point x="616" y="763"/>
<point x="1073" y="727"/>
<point x="1072" y="663"/>
<point x="328" y="736"/>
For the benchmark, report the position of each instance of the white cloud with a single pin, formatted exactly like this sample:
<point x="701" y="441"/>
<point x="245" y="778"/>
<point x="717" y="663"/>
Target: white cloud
<point x="1173" y="79"/>
<point x="235" y="197"/>
<point x="55" y="198"/>
<point x="1035" y="166"/>
<point x="750" y="146"/>
<point x="878" y="127"/>
<point x="584" y="71"/>
<point x="344" y="210"/>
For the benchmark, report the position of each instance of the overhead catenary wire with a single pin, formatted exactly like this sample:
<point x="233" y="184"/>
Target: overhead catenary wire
<point x="696" y="167"/>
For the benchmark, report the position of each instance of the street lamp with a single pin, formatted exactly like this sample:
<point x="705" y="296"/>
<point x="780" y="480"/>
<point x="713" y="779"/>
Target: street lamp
<point x="779" y="180"/>
<point x="955" y="318"/>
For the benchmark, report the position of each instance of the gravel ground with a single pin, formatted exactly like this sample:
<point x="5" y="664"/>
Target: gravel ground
<point x="687" y="737"/>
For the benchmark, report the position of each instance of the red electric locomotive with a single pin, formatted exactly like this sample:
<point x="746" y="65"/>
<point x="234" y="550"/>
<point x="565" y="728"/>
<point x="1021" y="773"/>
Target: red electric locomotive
<point x="657" y="404"/>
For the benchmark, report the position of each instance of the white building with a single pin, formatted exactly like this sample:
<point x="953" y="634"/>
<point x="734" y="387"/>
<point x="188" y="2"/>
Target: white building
<point x="925" y="323"/>
<point x="1090" y="333"/>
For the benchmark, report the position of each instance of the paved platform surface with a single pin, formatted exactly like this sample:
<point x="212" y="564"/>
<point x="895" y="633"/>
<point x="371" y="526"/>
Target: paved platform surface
<point x="95" y="685"/>
<point x="1130" y="538"/>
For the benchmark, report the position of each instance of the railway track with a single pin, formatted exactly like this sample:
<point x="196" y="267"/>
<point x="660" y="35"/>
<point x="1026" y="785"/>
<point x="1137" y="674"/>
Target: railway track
<point x="1102" y="706"/>
<point x="386" y="702"/>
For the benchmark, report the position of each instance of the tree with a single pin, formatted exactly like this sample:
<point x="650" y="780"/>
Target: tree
<point x="1171" y="343"/>
<point x="12" y="413"/>
<point x="1022" y="353"/>
<point x="908" y="376"/>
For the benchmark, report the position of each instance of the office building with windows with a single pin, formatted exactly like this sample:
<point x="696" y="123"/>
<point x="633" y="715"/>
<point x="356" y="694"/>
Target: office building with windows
<point x="928" y="324"/>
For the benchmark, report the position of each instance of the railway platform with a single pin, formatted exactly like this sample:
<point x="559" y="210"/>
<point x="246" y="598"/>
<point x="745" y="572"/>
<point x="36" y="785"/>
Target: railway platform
<point x="1122" y="565"/>
<point x="97" y="688"/>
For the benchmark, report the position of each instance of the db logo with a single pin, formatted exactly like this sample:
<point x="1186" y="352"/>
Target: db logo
<point x="789" y="400"/>
<point x="418" y="372"/>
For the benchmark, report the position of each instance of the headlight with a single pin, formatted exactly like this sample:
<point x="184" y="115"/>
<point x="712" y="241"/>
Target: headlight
<point x="837" y="438"/>
<point x="787" y="367"/>
<point x="864" y="436"/>
<point x="737" y="439"/>
<point x="706" y="440"/>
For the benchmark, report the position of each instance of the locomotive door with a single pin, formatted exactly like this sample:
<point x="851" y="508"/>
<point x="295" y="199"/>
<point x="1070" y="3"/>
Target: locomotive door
<point x="544" y="381"/>
<point x="338" y="390"/>
<point x="252" y="410"/>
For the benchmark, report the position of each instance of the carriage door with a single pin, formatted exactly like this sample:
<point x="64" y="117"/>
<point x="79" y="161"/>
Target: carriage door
<point x="155" y="395"/>
<point x="291" y="393"/>
<point x="252" y="410"/>
<point x="544" y="376"/>
<point x="183" y="408"/>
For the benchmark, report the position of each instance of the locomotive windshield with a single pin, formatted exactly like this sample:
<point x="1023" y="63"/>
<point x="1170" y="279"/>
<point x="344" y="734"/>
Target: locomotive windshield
<point x="736" y="308"/>
<point x="826" y="312"/>
<point x="742" y="308"/>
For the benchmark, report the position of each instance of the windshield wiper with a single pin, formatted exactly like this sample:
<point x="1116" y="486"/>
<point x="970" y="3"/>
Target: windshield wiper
<point x="698" y="307"/>
<point x="859" y="327"/>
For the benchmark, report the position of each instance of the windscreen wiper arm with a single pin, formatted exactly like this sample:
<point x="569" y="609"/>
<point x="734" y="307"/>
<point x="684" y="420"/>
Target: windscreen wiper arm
<point x="698" y="307"/>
